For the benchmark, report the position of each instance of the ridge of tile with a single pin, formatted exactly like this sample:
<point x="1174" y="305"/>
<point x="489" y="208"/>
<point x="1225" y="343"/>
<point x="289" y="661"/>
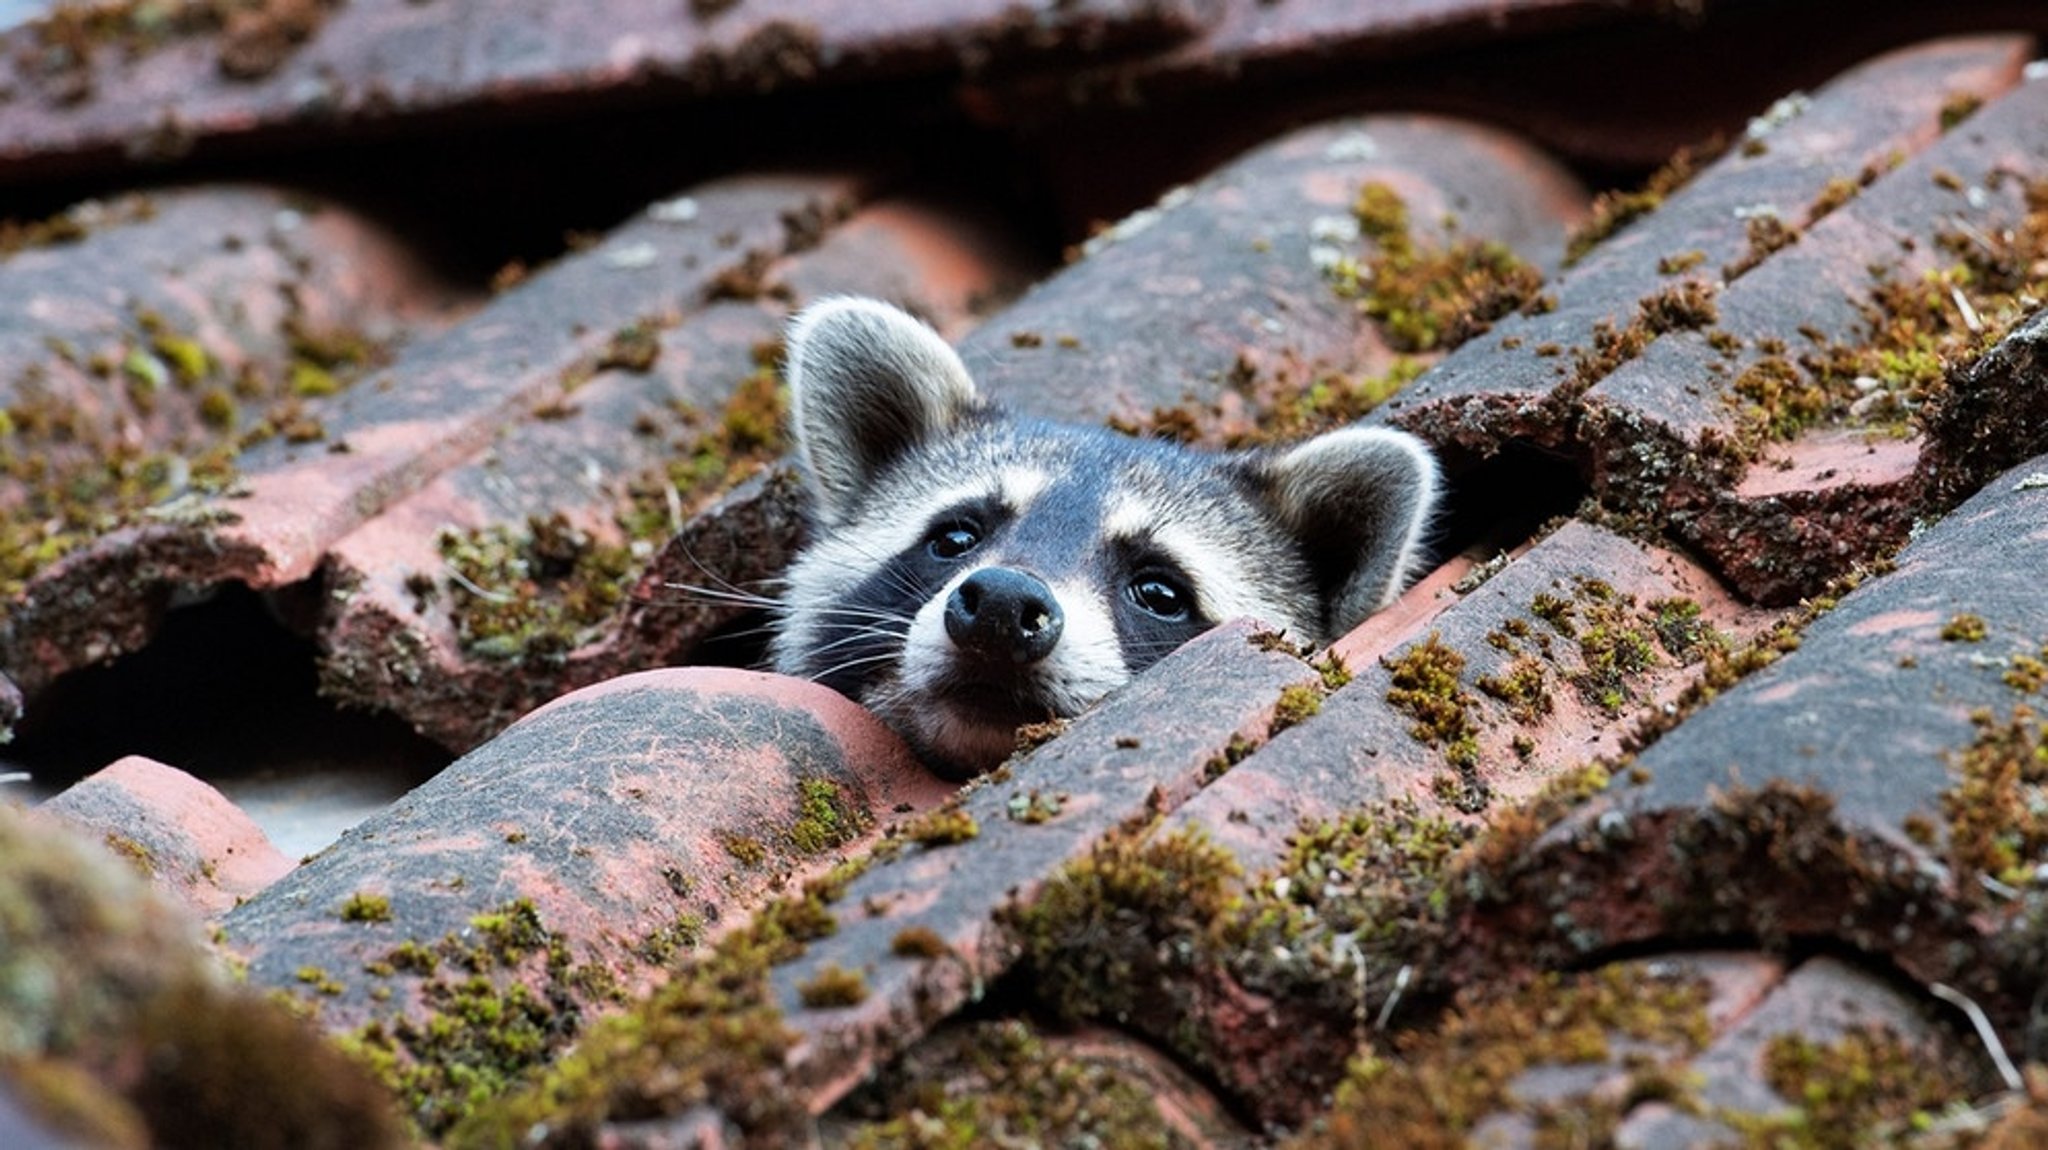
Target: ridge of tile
<point x="1851" y="791"/>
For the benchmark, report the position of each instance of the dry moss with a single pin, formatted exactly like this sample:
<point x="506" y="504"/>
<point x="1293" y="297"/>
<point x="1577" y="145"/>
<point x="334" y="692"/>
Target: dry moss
<point x="833" y="986"/>
<point x="1614" y="210"/>
<point x="1427" y="296"/>
<point x="945" y="827"/>
<point x="1524" y="687"/>
<point x="1997" y="808"/>
<point x="1433" y="1088"/>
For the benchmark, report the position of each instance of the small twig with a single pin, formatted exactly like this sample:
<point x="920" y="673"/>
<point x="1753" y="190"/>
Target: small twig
<point x="1400" y="984"/>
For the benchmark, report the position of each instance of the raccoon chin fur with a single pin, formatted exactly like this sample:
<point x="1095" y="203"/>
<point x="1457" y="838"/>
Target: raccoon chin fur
<point x="970" y="570"/>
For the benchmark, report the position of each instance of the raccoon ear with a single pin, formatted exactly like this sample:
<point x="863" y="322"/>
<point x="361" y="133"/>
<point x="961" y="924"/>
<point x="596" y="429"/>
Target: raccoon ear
<point x="867" y="382"/>
<point x="1357" y="501"/>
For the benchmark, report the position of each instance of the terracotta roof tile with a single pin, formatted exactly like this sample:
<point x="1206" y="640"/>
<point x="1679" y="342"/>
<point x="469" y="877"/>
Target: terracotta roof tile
<point x="195" y="845"/>
<point x="92" y="96"/>
<point x="1849" y="791"/>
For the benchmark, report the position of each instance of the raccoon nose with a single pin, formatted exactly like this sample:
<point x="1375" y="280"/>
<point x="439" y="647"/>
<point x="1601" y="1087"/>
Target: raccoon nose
<point x="1001" y="612"/>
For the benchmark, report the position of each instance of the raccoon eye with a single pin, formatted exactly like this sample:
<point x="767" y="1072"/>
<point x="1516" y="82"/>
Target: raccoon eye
<point x="952" y="541"/>
<point x="1160" y="596"/>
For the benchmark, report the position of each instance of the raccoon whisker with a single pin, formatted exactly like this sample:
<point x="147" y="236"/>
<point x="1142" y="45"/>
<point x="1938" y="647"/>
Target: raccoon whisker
<point x="722" y="595"/>
<point x="878" y="659"/>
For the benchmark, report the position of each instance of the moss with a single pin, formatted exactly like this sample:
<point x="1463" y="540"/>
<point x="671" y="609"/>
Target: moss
<point x="1428" y="296"/>
<point x="1678" y="627"/>
<point x="711" y="1035"/>
<point x="712" y="455"/>
<point x="1869" y="1087"/>
<point x="482" y="1022"/>
<point x="947" y="826"/>
<point x="362" y="907"/>
<point x="663" y="944"/>
<point x="1767" y="234"/>
<point x="1435" y="1087"/>
<point x="2026" y="673"/>
<point x="1524" y="687"/>
<point x="1364" y="891"/>
<point x="1096" y="926"/>
<point x="918" y="942"/>
<point x="1681" y="262"/>
<point x="1297" y="703"/>
<point x="1425" y="688"/>
<point x="1837" y="192"/>
<point x="1958" y="107"/>
<point x="1614" y="645"/>
<point x="825" y="818"/>
<point x="1782" y="400"/>
<point x="1997" y="808"/>
<point x="1614" y="210"/>
<point x="1681" y="307"/>
<point x="635" y="348"/>
<point x="1000" y="1084"/>
<point x="833" y="985"/>
<point x="1965" y="628"/>
<point x="745" y="849"/>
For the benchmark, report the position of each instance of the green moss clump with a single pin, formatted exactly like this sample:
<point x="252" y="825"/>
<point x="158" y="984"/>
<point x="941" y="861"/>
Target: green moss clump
<point x="1424" y="296"/>
<point x="635" y="348"/>
<point x="825" y="817"/>
<point x="1436" y="1086"/>
<point x="362" y="907"/>
<point x="1678" y="627"/>
<point x="1681" y="263"/>
<point x="1362" y="892"/>
<point x="1093" y="933"/>
<point x="1782" y="401"/>
<point x="999" y="1084"/>
<point x="745" y="849"/>
<point x="1524" y="687"/>
<point x="833" y="985"/>
<point x="1997" y="808"/>
<point x="1965" y="628"/>
<point x="711" y="456"/>
<point x="1614" y="210"/>
<point x="711" y="1035"/>
<point x="484" y="1024"/>
<point x="1867" y="1088"/>
<point x="1298" y="702"/>
<point x="945" y="827"/>
<point x="1614" y="646"/>
<point x="2026" y="673"/>
<point x="1959" y="107"/>
<point x="1425" y="688"/>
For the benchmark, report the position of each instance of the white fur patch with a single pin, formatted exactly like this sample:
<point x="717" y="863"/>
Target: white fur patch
<point x="1223" y="588"/>
<point x="1125" y="516"/>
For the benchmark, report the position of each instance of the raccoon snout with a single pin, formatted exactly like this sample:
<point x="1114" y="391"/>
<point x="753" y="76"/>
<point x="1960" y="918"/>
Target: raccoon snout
<point x="1004" y="613"/>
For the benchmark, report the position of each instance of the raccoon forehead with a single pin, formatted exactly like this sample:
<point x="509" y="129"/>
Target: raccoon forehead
<point x="897" y="514"/>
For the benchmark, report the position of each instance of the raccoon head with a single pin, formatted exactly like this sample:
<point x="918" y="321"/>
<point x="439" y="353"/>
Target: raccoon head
<point x="969" y="570"/>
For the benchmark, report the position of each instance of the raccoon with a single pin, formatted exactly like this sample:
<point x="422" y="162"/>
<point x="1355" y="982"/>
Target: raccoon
<point x="969" y="570"/>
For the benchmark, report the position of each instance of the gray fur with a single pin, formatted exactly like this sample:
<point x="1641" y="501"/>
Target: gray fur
<point x="902" y="456"/>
